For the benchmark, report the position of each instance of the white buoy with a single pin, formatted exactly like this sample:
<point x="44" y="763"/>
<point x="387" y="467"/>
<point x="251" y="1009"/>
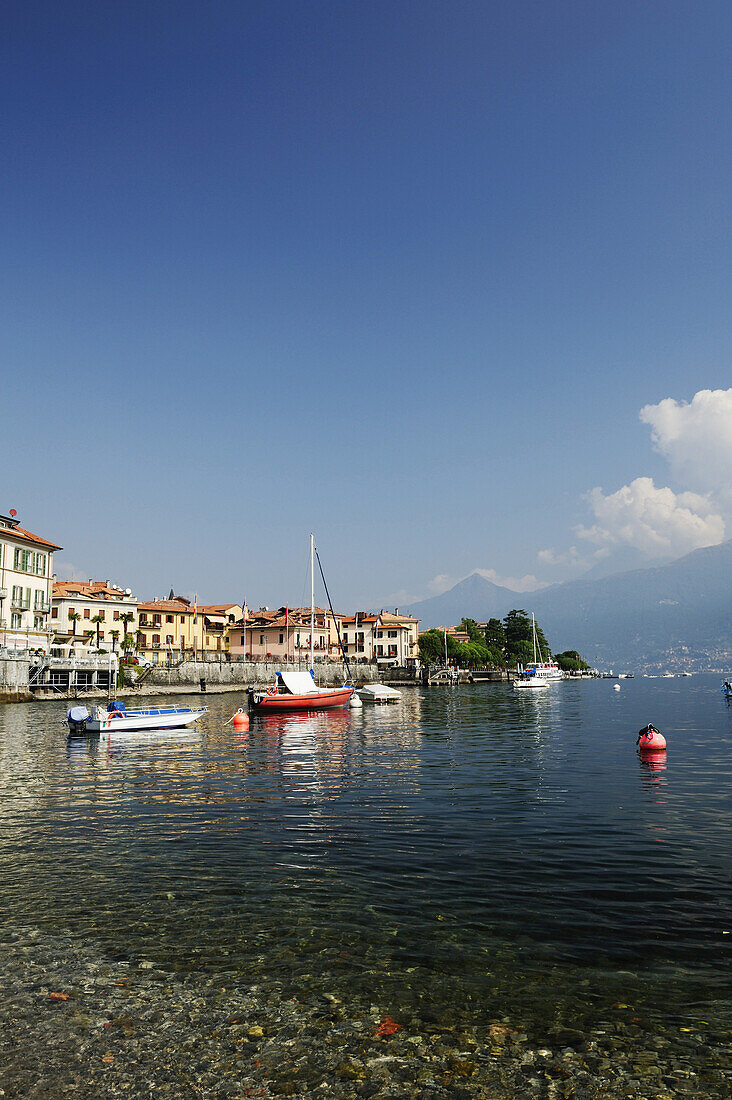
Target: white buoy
<point x="355" y="702"/>
<point x="616" y="687"/>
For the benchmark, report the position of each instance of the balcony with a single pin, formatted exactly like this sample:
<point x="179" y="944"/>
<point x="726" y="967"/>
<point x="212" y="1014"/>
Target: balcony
<point x="3" y="593"/>
<point x="20" y="605"/>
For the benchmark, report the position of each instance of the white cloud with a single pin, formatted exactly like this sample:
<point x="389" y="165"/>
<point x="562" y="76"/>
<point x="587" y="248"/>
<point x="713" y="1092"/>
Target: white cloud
<point x="658" y="522"/>
<point x="696" y="438"/>
<point x="571" y="557"/>
<point x="66" y="571"/>
<point x="527" y="583"/>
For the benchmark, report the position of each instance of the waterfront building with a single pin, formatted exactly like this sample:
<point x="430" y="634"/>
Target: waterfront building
<point x="359" y="635"/>
<point x="397" y="639"/>
<point x="216" y="620"/>
<point x="26" y="577"/>
<point x="98" y="613"/>
<point x="280" y="635"/>
<point x="167" y="630"/>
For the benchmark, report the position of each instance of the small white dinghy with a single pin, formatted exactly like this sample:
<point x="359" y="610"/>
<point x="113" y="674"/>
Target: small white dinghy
<point x="117" y="719"/>
<point x="379" y="693"/>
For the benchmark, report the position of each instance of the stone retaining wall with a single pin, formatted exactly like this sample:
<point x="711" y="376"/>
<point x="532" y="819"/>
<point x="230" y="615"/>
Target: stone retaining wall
<point x="14" y="680"/>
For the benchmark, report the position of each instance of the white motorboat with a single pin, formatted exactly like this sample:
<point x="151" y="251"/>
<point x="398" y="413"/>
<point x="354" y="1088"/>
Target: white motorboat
<point x="531" y="682"/>
<point x="117" y="719"/>
<point x="379" y="693"/>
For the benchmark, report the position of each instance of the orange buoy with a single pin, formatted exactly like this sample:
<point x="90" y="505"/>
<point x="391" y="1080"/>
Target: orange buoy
<point x="241" y="720"/>
<point x="650" y="739"/>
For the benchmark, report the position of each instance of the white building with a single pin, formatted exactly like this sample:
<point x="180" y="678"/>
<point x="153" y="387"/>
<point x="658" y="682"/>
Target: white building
<point x="96" y="612"/>
<point x="26" y="577"/>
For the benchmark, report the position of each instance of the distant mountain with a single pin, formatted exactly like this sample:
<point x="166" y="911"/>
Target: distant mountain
<point x="677" y="615"/>
<point x="483" y="599"/>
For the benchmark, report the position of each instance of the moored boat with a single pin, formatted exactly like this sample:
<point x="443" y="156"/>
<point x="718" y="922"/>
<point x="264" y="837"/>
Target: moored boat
<point x="379" y="693"/>
<point x="298" y="691"/>
<point x="294" y="691"/>
<point x="117" y="719"/>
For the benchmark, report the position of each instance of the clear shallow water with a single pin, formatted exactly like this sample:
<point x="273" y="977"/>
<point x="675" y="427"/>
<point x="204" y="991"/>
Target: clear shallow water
<point x="474" y="850"/>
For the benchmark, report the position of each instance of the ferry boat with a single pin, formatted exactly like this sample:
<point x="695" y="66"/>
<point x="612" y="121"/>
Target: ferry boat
<point x="545" y="670"/>
<point x="117" y="719"/>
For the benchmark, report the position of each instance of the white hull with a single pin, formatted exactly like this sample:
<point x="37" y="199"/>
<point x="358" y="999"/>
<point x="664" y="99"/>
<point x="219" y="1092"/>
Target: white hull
<point x="149" y="720"/>
<point x="534" y="684"/>
<point x="379" y="693"/>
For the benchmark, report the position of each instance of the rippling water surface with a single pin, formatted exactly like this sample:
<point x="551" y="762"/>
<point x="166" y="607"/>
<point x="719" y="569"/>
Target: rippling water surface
<point x="472" y="846"/>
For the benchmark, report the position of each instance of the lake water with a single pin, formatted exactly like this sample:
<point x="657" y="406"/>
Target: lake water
<point x="494" y="869"/>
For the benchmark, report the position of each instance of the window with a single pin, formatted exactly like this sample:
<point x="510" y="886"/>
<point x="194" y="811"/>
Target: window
<point x="115" y="616"/>
<point x="101" y="635"/>
<point x="379" y="633"/>
<point x="143" y="640"/>
<point x="156" y="620"/>
<point x="39" y="565"/>
<point x="72" y="611"/>
<point x="168" y="618"/>
<point x="156" y="639"/>
<point x="38" y="622"/>
<point x="39" y="603"/>
<point x="244" y="639"/>
<point x="143" y="619"/>
<point x="392" y="651"/>
<point x="282" y="638"/>
<point x="54" y="612"/>
<point x="15" y="621"/>
<point x="182" y="618"/>
<point x="392" y="634"/>
<point x="261" y="639"/>
<point x="101" y="615"/>
<point x="345" y="638"/>
<point x="168" y="639"/>
<point x="379" y="651"/>
<point x="87" y="613"/>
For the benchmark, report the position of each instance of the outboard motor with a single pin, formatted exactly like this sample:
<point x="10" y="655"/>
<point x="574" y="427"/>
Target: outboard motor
<point x="77" y="718"/>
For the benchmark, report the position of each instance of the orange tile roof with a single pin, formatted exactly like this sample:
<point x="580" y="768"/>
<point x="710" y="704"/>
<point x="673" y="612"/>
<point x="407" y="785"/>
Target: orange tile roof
<point x="90" y="590"/>
<point x="180" y="606"/>
<point x="28" y="536"/>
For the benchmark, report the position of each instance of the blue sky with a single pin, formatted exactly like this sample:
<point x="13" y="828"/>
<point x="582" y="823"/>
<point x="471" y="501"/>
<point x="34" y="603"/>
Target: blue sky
<point x="404" y="274"/>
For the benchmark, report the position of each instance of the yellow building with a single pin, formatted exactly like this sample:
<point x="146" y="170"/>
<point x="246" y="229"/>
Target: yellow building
<point x="166" y="630"/>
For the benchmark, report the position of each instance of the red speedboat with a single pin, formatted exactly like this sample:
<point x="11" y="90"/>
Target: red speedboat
<point x="298" y="691"/>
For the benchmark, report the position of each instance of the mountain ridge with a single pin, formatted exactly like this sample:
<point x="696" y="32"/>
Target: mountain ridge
<point x="677" y="614"/>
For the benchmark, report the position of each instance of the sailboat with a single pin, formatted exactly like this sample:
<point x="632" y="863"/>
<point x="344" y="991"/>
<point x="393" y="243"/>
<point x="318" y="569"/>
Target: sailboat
<point x="298" y="691"/>
<point x="532" y="678"/>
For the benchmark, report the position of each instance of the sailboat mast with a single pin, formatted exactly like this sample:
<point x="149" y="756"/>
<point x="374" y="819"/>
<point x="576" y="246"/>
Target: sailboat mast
<point x="312" y="600"/>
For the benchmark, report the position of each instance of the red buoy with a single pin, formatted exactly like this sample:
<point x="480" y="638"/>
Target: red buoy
<point x="240" y="720"/>
<point x="651" y="740"/>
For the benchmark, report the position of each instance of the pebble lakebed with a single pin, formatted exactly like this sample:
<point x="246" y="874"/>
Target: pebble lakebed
<point x="87" y="1025"/>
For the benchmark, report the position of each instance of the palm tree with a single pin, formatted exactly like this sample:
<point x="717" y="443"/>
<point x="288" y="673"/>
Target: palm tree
<point x="126" y="618"/>
<point x="74" y="616"/>
<point x="115" y="636"/>
<point x="97" y="619"/>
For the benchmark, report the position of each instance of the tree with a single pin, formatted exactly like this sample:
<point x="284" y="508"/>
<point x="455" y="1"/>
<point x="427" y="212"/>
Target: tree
<point x="570" y="661"/>
<point x="126" y="617"/>
<point x="115" y="636"/>
<point x="471" y="628"/>
<point x="495" y="635"/>
<point x="519" y="640"/>
<point x="432" y="647"/>
<point x="97" y="619"/>
<point x="74" y="616"/>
